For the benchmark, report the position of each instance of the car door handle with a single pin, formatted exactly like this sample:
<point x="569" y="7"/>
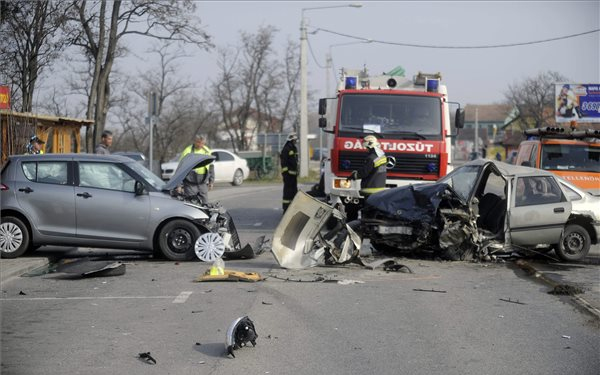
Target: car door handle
<point x="26" y="190"/>
<point x="85" y="195"/>
<point x="559" y="209"/>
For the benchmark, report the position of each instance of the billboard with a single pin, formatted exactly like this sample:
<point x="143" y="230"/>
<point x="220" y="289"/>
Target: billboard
<point x="579" y="102"/>
<point x="4" y="97"/>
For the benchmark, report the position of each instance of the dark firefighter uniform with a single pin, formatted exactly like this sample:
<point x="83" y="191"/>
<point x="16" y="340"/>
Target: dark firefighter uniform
<point x="373" y="173"/>
<point x="289" y="170"/>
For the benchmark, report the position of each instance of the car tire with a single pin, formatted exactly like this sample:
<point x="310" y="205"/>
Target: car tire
<point x="14" y="238"/>
<point x="177" y="239"/>
<point x="574" y="244"/>
<point x="238" y="177"/>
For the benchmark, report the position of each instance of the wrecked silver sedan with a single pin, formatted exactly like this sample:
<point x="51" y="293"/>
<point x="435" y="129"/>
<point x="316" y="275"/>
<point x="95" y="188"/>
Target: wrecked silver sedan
<point x="485" y="208"/>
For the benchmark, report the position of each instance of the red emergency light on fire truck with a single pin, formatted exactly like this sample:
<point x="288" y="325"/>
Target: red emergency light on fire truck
<point x="411" y="119"/>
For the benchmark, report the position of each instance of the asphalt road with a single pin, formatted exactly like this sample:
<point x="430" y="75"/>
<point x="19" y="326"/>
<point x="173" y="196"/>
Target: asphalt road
<point x="377" y="324"/>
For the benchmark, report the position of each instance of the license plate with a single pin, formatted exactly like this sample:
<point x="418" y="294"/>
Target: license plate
<point x="382" y="229"/>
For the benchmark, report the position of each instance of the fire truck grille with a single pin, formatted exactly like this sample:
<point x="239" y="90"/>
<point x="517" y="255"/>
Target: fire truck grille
<point x="405" y="163"/>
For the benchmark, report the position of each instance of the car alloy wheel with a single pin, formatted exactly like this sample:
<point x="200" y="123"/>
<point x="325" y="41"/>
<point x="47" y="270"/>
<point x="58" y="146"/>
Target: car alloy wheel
<point x="238" y="178"/>
<point x="14" y="237"/>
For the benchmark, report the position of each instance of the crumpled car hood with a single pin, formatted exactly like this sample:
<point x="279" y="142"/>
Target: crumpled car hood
<point x="417" y="202"/>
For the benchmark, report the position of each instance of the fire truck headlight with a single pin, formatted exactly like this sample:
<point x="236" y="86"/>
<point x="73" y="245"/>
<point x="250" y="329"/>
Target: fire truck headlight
<point x="431" y="167"/>
<point x="342" y="184"/>
<point x="350" y="83"/>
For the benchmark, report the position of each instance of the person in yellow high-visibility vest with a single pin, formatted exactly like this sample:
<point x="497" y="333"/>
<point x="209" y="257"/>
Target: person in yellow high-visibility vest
<point x="200" y="180"/>
<point x="35" y="146"/>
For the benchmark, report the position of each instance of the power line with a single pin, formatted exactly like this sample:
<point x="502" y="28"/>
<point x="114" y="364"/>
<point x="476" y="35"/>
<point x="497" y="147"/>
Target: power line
<point x="313" y="55"/>
<point x="457" y="47"/>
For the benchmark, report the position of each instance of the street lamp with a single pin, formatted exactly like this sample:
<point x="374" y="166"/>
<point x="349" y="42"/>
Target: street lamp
<point x="303" y="131"/>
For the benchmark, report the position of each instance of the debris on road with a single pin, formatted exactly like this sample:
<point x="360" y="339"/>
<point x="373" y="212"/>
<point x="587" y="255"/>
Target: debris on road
<point x="239" y="334"/>
<point x="430" y="290"/>
<point x="566" y="337"/>
<point x="231" y="275"/>
<point x="87" y="267"/>
<point x="566" y="290"/>
<point x="512" y="301"/>
<point x="147" y="357"/>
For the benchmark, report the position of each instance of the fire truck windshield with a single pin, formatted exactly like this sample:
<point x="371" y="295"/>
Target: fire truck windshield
<point x="391" y="116"/>
<point x="580" y="158"/>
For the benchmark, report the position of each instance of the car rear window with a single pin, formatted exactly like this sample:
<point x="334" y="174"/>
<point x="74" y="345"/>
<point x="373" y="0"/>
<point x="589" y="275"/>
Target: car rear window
<point x="46" y="172"/>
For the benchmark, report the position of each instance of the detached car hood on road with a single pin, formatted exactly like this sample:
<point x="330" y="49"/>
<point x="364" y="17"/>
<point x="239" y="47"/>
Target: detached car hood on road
<point x="190" y="162"/>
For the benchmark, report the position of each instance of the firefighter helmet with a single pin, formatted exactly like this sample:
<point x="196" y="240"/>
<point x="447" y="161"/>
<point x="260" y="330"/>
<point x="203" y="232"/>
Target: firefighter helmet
<point x="370" y="141"/>
<point x="292" y="136"/>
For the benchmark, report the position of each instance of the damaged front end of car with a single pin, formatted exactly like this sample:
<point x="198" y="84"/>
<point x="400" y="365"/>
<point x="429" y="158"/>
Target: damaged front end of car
<point x="421" y="218"/>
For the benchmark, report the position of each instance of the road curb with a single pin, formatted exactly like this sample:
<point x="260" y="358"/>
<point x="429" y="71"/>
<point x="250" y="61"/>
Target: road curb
<point x="11" y="268"/>
<point x="576" y="300"/>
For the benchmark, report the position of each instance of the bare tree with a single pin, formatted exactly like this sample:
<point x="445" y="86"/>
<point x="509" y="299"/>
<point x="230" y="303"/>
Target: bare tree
<point x="180" y="113"/>
<point x="102" y="26"/>
<point x="31" y="40"/>
<point x="254" y="86"/>
<point x="534" y="99"/>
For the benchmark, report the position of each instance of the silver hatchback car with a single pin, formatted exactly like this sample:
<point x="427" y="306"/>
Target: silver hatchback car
<point x="101" y="201"/>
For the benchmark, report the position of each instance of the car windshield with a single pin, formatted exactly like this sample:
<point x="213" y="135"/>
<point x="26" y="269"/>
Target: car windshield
<point x="147" y="175"/>
<point x="394" y="116"/>
<point x="578" y="158"/>
<point x="462" y="180"/>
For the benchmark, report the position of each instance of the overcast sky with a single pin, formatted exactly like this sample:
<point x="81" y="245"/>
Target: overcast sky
<point x="474" y="76"/>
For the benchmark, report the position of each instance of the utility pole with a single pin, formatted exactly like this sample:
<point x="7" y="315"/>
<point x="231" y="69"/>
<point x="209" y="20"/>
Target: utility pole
<point x="151" y="114"/>
<point x="476" y="131"/>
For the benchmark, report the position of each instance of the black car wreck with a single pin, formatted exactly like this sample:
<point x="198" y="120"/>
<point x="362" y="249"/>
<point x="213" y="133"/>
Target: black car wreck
<point x="481" y="209"/>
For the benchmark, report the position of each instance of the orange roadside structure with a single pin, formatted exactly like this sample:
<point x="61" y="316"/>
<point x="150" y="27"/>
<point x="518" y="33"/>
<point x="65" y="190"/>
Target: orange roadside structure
<point x="61" y="134"/>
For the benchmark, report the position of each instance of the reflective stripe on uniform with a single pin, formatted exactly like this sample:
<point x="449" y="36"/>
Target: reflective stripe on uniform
<point x="291" y="152"/>
<point x="371" y="190"/>
<point x="379" y="161"/>
<point x="293" y="173"/>
<point x="286" y="201"/>
<point x="284" y="169"/>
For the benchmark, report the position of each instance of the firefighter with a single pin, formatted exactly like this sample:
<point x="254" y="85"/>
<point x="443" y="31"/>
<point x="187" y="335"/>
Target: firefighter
<point x="373" y="173"/>
<point x="199" y="181"/>
<point x="289" y="169"/>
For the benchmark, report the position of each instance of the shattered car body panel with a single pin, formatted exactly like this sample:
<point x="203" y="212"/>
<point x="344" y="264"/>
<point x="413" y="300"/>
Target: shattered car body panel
<point x="300" y="240"/>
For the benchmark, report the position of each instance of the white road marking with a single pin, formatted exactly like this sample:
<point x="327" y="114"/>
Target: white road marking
<point x="257" y="224"/>
<point x="182" y="297"/>
<point x="82" y="298"/>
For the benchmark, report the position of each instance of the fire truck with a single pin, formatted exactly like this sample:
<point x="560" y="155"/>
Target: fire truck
<point x="568" y="152"/>
<point x="411" y="119"/>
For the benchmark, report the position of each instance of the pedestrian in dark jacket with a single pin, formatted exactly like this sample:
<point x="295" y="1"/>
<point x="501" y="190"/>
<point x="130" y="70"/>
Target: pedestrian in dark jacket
<point x="289" y="169"/>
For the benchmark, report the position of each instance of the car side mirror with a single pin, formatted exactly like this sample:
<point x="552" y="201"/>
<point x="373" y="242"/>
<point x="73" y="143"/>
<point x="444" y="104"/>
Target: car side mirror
<point x="322" y="106"/>
<point x="459" y="118"/>
<point x="139" y="188"/>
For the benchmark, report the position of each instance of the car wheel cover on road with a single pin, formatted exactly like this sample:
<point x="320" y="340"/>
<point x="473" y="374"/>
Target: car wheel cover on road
<point x="179" y="240"/>
<point x="11" y="237"/>
<point x="209" y="247"/>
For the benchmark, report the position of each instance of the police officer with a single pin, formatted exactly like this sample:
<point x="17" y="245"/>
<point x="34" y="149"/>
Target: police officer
<point x="289" y="169"/>
<point x="35" y="146"/>
<point x="373" y="173"/>
<point x="200" y="180"/>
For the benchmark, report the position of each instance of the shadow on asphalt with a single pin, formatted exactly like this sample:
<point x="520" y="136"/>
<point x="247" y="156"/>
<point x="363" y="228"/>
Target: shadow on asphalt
<point x="212" y="349"/>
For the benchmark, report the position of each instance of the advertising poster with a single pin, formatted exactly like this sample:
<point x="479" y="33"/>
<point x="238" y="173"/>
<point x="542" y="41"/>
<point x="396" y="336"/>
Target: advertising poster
<point x="579" y="102"/>
<point x="4" y="97"/>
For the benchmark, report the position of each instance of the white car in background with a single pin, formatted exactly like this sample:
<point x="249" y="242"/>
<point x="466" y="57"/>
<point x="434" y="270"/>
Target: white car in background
<point x="228" y="167"/>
